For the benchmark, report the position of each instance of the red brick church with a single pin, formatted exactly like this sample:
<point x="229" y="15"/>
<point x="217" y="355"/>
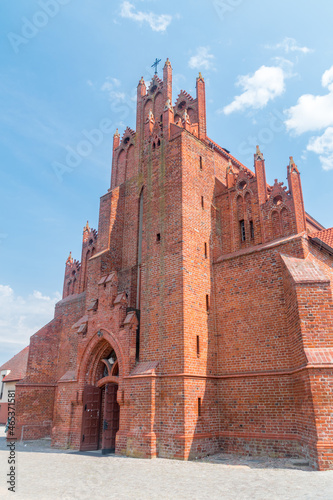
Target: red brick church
<point x="199" y="318"/>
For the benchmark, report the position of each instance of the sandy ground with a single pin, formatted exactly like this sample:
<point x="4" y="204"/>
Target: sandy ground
<point x="43" y="473"/>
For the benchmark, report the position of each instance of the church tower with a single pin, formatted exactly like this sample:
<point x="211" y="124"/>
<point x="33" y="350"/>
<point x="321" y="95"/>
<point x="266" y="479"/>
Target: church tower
<point x="188" y="326"/>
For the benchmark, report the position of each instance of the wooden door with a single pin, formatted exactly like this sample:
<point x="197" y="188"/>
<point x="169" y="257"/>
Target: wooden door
<point x="90" y="418"/>
<point x="110" y="419"/>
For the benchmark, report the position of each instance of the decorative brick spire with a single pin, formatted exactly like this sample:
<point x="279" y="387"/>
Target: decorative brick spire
<point x="140" y="118"/>
<point x="116" y="140"/>
<point x="259" y="166"/>
<point x="201" y="98"/>
<point x="167" y="81"/>
<point x="295" y="188"/>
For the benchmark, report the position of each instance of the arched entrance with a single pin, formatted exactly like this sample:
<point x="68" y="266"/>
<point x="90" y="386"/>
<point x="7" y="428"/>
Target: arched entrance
<point x="100" y="418"/>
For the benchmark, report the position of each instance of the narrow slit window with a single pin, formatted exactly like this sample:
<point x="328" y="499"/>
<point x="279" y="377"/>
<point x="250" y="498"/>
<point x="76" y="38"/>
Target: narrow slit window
<point x="137" y="344"/>
<point x="207" y="303"/>
<point x="198" y="345"/>
<point x="202" y="202"/>
<point x="158" y="237"/>
<point x="199" y="407"/>
<point x="251" y="229"/>
<point x="242" y="230"/>
<point x="205" y="250"/>
<point x="200" y="162"/>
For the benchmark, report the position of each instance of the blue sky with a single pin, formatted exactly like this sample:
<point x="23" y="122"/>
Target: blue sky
<point x="70" y="67"/>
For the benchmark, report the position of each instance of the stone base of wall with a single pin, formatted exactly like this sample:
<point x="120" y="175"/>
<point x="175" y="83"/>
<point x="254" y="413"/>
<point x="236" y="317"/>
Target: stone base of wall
<point x="32" y="432"/>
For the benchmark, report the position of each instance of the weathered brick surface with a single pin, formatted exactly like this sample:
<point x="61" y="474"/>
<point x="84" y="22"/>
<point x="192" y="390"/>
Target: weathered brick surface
<point x="212" y="270"/>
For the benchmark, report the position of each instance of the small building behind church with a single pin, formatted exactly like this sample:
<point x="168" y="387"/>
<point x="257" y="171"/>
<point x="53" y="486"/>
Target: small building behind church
<point x="11" y="372"/>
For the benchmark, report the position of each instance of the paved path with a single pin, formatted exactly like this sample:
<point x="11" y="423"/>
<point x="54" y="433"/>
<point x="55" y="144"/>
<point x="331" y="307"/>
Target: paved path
<point x="43" y="473"/>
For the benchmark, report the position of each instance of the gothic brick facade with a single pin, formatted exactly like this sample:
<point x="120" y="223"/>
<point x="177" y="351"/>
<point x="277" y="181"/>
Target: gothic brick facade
<point x="200" y="315"/>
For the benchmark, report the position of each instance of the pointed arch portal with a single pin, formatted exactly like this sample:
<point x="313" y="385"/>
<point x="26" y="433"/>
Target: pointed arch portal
<point x="100" y="414"/>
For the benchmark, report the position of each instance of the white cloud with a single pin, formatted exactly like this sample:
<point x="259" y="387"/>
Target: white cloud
<point x="286" y="65"/>
<point x="289" y="45"/>
<point x="312" y="112"/>
<point x="21" y="317"/>
<point x="323" y="146"/>
<point x="327" y="79"/>
<point x="111" y="81"/>
<point x="111" y="86"/>
<point x="260" y="88"/>
<point x="202" y="59"/>
<point x="156" y="22"/>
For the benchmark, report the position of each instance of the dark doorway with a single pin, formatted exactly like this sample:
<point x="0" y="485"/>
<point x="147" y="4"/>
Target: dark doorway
<point x="98" y="420"/>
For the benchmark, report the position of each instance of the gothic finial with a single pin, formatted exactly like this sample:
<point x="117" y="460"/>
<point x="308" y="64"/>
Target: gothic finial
<point x="200" y="77"/>
<point x="86" y="228"/>
<point x="292" y="167"/>
<point x="258" y="155"/>
<point x="116" y="134"/>
<point x="167" y="62"/>
<point x="229" y="167"/>
<point x="150" y="117"/>
<point x="186" y="117"/>
<point x="168" y="105"/>
<point x="69" y="259"/>
<point x="231" y="177"/>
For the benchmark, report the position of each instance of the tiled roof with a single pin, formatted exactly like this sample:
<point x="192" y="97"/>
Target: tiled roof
<point x="17" y="366"/>
<point x="314" y="222"/>
<point x="228" y="155"/>
<point x="326" y="236"/>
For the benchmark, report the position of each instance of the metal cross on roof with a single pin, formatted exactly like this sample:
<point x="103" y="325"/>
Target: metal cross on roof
<point x="155" y="64"/>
